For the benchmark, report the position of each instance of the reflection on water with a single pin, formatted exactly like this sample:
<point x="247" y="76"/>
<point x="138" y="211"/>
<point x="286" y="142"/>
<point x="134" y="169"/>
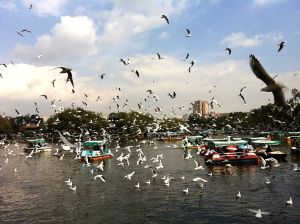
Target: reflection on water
<point x="37" y="192"/>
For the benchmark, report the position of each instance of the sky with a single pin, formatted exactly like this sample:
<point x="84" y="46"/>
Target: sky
<point x="90" y="36"/>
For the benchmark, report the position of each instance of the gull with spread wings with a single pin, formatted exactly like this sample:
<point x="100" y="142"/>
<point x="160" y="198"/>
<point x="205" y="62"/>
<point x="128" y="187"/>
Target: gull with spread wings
<point x="272" y="86"/>
<point x="68" y="71"/>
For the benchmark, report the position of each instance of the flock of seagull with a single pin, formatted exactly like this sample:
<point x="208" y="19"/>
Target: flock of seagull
<point x="156" y="164"/>
<point x="257" y="68"/>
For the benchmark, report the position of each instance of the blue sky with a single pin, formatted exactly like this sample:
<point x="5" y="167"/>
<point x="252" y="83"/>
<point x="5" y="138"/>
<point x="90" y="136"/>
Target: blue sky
<point x="90" y="36"/>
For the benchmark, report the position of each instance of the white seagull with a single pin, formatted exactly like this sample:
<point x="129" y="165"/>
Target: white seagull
<point x="101" y="177"/>
<point x="100" y="166"/>
<point x="264" y="163"/>
<point x="199" y="179"/>
<point x="238" y="195"/>
<point x="198" y="166"/>
<point x="186" y="190"/>
<point x="289" y="202"/>
<point x="259" y="213"/>
<point x="129" y="176"/>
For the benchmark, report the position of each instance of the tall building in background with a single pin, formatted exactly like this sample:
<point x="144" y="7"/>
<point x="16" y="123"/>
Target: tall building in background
<point x="201" y="107"/>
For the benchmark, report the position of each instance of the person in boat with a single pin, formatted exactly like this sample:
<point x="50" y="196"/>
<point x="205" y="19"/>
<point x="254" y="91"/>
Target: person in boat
<point x="268" y="149"/>
<point x="101" y="149"/>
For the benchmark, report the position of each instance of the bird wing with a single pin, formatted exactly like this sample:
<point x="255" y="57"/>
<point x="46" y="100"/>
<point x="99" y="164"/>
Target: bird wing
<point x="252" y="210"/>
<point x="70" y="77"/>
<point x="279" y="98"/>
<point x="166" y="18"/>
<point x="137" y="73"/>
<point x="263" y="161"/>
<point x="259" y="71"/>
<point x="188" y="54"/>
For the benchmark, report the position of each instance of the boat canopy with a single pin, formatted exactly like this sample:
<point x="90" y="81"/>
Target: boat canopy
<point x="93" y="143"/>
<point x="226" y="143"/>
<point x="265" y="142"/>
<point x="294" y="133"/>
<point x="214" y="139"/>
<point x="37" y="140"/>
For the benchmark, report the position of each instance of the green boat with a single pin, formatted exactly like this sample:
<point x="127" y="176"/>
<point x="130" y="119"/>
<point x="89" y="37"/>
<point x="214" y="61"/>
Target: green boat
<point x="260" y="142"/>
<point x="95" y="150"/>
<point x="213" y="144"/>
<point x="263" y="149"/>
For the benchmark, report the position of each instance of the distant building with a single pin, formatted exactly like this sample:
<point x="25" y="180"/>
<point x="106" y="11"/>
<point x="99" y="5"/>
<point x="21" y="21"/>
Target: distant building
<point x="200" y="107"/>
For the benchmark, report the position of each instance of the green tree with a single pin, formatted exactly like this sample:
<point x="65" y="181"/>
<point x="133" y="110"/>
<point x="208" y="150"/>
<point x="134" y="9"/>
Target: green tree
<point x="76" y="121"/>
<point x="5" y="126"/>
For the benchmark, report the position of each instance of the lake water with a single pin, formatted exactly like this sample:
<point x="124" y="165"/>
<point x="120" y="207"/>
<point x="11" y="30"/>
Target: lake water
<point x="37" y="192"/>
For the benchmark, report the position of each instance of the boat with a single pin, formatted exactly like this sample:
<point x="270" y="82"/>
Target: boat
<point x="295" y="144"/>
<point x="295" y="150"/>
<point x="37" y="144"/>
<point x="263" y="149"/>
<point x="225" y="143"/>
<point x="95" y="150"/>
<point x="170" y="136"/>
<point x="216" y="158"/>
<point x="229" y="152"/>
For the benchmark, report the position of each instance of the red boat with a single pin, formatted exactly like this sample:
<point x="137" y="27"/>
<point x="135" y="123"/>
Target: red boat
<point x="215" y="158"/>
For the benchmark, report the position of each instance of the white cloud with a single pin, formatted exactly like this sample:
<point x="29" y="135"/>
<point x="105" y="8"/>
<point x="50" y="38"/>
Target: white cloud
<point x="132" y="18"/>
<point x="265" y="2"/>
<point x="22" y="84"/>
<point x="8" y="5"/>
<point x="46" y="7"/>
<point x="164" y="35"/>
<point x="240" y="39"/>
<point x="71" y="38"/>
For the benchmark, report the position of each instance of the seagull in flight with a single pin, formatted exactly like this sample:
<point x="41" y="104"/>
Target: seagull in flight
<point x="243" y="98"/>
<point x="281" y="45"/>
<point x="68" y="71"/>
<point x="264" y="163"/>
<point x="165" y="17"/>
<point x="149" y="91"/>
<point x="187" y="56"/>
<point x="45" y="96"/>
<point x="101" y="178"/>
<point x="198" y="166"/>
<point x="229" y="50"/>
<point x="159" y="56"/>
<point x="53" y="83"/>
<point x="129" y="176"/>
<point x="18" y="113"/>
<point x="272" y="86"/>
<point x="188" y="33"/>
<point x="39" y="56"/>
<point x="258" y="212"/>
<point x="102" y="76"/>
<point x="20" y="34"/>
<point x="25" y="30"/>
<point x="136" y="72"/>
<point x="124" y="62"/>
